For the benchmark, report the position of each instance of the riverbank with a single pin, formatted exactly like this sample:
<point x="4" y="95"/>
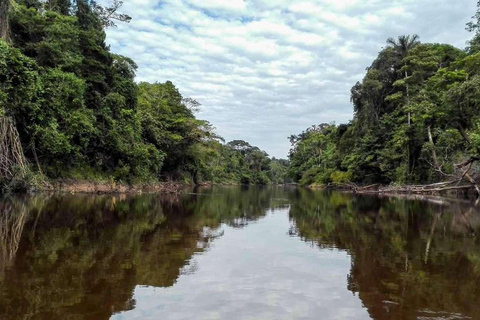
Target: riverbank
<point x="440" y="188"/>
<point x="104" y="187"/>
<point x="86" y="186"/>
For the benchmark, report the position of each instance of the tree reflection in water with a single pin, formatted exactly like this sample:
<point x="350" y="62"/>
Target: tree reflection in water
<point x="411" y="259"/>
<point x="12" y="220"/>
<point x="82" y="256"/>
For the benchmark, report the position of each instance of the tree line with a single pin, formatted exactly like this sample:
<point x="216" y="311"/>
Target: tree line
<point x="78" y="112"/>
<point x="416" y="120"/>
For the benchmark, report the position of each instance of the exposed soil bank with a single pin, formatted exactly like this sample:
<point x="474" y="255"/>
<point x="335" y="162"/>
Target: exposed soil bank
<point x="75" y="186"/>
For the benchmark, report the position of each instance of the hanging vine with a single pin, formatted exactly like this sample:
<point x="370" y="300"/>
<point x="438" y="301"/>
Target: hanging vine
<point x="12" y="159"/>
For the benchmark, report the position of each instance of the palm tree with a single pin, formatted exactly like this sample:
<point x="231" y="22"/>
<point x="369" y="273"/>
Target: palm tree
<point x="401" y="47"/>
<point x="404" y="44"/>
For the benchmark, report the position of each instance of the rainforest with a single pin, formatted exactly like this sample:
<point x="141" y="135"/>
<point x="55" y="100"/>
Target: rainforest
<point x="71" y="109"/>
<point x="229" y="231"/>
<point x="416" y="119"/>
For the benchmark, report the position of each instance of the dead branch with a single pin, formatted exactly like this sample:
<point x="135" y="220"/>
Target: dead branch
<point x="467" y="162"/>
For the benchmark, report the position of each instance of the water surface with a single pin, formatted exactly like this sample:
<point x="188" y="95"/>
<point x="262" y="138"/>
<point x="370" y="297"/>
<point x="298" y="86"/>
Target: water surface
<point x="239" y="253"/>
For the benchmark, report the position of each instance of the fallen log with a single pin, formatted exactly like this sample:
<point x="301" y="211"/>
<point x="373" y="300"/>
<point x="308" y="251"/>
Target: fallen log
<point x="412" y="189"/>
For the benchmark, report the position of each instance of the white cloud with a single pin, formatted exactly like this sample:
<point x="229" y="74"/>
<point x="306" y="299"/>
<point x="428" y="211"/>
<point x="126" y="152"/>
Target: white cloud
<point x="228" y="5"/>
<point x="266" y="69"/>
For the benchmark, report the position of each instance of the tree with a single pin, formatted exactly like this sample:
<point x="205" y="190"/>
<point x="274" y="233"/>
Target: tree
<point x="60" y="6"/>
<point x="474" y="26"/>
<point x="404" y="44"/>
<point x="106" y="15"/>
<point x="79" y="113"/>
<point x="4" y="19"/>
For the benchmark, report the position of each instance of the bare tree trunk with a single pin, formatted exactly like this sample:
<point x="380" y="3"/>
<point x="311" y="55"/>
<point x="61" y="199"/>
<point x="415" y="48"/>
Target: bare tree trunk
<point x="464" y="134"/>
<point x="36" y="158"/>
<point x="409" y="124"/>
<point x="4" y="27"/>
<point x="434" y="152"/>
<point x="408" y="100"/>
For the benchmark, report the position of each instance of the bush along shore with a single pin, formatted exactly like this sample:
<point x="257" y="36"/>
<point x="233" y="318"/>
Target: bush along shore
<point x="416" y="124"/>
<point x="72" y="114"/>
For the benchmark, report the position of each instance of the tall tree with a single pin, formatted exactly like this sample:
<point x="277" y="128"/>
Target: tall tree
<point x="108" y="15"/>
<point x="474" y="26"/>
<point x="404" y="44"/>
<point x="4" y="27"/>
<point x="60" y="6"/>
<point x="105" y="15"/>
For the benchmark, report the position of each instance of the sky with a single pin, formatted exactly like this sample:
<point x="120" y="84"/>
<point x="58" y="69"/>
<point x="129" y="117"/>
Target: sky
<point x="266" y="69"/>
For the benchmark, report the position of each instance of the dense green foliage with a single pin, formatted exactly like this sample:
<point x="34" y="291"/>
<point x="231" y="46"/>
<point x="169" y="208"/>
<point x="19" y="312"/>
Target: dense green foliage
<point x="416" y="114"/>
<point x="80" y="114"/>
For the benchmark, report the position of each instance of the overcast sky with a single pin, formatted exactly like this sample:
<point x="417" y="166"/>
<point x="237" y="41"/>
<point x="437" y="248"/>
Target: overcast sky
<point x="266" y="69"/>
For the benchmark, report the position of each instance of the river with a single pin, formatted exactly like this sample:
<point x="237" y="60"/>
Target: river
<point x="239" y="253"/>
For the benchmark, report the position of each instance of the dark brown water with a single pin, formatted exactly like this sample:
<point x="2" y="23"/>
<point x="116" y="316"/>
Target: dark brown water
<point x="237" y="253"/>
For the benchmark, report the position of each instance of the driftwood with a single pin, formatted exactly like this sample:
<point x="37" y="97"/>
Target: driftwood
<point x="464" y="182"/>
<point x="410" y="189"/>
<point x="171" y="187"/>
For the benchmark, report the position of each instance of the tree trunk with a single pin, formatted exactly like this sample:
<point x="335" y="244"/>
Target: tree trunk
<point x="4" y="27"/>
<point x="434" y="152"/>
<point x="409" y="123"/>
<point x="408" y="98"/>
<point x="464" y="134"/>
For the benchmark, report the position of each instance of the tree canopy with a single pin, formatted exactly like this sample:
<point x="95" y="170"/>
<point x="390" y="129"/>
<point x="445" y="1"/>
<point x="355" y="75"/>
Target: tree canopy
<point x="416" y="115"/>
<point x="80" y="114"/>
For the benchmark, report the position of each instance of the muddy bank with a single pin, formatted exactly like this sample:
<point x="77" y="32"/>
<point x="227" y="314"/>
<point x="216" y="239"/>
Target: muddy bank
<point x="75" y="186"/>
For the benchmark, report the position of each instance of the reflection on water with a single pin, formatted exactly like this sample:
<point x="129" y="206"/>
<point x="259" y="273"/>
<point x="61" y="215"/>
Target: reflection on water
<point x="239" y="253"/>
<point x="411" y="259"/>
